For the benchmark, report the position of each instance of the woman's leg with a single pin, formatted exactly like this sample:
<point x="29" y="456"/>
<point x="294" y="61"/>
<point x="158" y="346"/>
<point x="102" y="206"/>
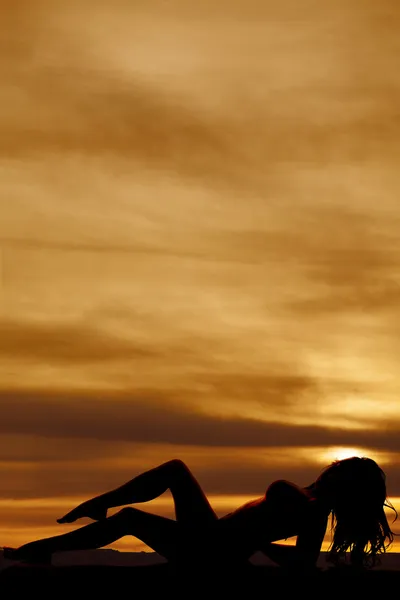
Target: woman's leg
<point x="161" y="534"/>
<point x="191" y="504"/>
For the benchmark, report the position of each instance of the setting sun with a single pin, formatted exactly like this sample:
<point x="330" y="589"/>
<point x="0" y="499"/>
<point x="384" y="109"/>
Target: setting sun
<point x="328" y="455"/>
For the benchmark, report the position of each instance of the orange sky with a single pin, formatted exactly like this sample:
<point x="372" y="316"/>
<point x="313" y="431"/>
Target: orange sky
<point x="199" y="258"/>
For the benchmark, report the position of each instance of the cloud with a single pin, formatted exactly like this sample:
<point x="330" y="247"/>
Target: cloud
<point x="354" y="257"/>
<point x="218" y="254"/>
<point x="145" y="420"/>
<point x="92" y="114"/>
<point x="61" y="342"/>
<point x="121" y="346"/>
<point x="232" y="471"/>
<point x="71" y="104"/>
<point x="303" y="107"/>
<point x="265" y="389"/>
<point x="337" y="258"/>
<point x="89" y="113"/>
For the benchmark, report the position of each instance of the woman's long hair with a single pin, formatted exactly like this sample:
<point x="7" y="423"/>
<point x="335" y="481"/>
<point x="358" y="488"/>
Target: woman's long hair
<point x="356" y="488"/>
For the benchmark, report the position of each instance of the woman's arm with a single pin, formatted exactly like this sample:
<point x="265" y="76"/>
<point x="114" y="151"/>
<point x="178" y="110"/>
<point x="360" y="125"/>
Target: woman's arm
<point x="308" y="545"/>
<point x="284" y="556"/>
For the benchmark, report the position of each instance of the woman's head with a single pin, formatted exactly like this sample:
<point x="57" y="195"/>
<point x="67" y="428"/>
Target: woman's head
<point x="355" y="491"/>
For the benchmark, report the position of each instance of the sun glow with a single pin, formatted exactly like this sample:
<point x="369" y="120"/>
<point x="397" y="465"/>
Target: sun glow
<point x="328" y="455"/>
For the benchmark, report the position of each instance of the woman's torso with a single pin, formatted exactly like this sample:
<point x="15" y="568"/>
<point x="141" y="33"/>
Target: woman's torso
<point x="275" y="516"/>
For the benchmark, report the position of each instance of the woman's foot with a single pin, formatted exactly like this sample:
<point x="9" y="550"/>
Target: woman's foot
<point x="89" y="509"/>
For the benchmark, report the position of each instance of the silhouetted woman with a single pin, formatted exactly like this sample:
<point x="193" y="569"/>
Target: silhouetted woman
<point x="352" y="490"/>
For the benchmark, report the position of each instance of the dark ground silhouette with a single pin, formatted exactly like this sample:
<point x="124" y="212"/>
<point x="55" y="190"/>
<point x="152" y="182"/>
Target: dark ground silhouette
<point x="164" y="581"/>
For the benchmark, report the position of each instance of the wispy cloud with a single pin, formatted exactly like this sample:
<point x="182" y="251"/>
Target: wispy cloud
<point x="65" y="342"/>
<point x="143" y="419"/>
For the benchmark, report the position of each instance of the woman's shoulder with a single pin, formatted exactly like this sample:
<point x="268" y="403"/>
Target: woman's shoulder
<point x="282" y="491"/>
<point x="285" y="484"/>
<point x="284" y="488"/>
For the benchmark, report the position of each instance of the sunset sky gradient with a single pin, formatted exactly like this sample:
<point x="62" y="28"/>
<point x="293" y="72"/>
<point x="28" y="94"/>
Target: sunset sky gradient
<point x="200" y="249"/>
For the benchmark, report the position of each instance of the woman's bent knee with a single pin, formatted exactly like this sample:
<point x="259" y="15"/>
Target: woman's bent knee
<point x="178" y="465"/>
